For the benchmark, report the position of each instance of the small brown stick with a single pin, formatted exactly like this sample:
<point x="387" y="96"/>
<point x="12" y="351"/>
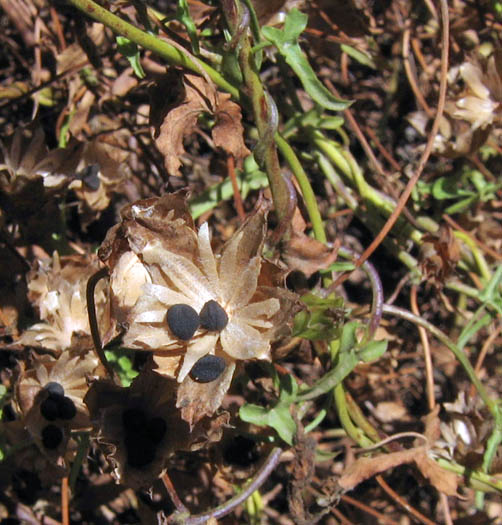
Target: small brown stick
<point x="58" y="28"/>
<point x="93" y="321"/>
<point x="239" y="206"/>
<point x="65" y="510"/>
<point x="383" y="519"/>
<point x="426" y="153"/>
<point x="390" y="159"/>
<point x="343" y="520"/>
<point x="484" y="350"/>
<point x="396" y="497"/>
<point x="446" y="509"/>
<point x="180" y="507"/>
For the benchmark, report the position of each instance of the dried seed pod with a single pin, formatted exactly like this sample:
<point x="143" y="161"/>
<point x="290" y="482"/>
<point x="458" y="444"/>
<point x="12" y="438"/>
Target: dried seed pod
<point x="183" y="321"/>
<point x="66" y="408"/>
<point x="208" y="368"/>
<point x="52" y="436"/>
<point x="213" y="317"/>
<point x="54" y="389"/>
<point x="156" y="429"/>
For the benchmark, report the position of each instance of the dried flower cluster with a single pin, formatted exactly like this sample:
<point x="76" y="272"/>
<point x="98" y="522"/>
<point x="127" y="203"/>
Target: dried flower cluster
<point x="199" y="311"/>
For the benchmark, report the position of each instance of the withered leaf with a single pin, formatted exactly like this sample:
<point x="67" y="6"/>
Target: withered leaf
<point x="174" y="121"/>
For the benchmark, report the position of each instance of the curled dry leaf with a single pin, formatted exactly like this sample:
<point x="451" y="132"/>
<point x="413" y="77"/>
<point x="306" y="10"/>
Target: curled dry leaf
<point x="141" y="428"/>
<point x="366" y="467"/>
<point x="173" y="121"/>
<point x="172" y="264"/>
<point x="57" y="287"/>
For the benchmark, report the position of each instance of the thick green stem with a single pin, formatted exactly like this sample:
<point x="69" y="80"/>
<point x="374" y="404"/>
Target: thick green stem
<point x="162" y="48"/>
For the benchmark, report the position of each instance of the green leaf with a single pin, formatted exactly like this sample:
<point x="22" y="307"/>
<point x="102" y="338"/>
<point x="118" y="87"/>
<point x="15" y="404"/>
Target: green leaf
<point x="131" y="52"/>
<point x="286" y="42"/>
<point x="359" y="56"/>
<point x="372" y="351"/>
<point x="277" y="417"/>
<point x="448" y="188"/>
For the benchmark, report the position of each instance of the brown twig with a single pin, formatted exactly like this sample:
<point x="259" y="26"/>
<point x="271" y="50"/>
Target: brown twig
<point x="65" y="496"/>
<point x="168" y="484"/>
<point x="397" y="498"/>
<point x="381" y="517"/>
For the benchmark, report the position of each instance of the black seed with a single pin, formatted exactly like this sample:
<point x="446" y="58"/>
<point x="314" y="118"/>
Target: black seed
<point x="207" y="368"/>
<point x="66" y="408"/>
<point x="156" y="429"/>
<point x="90" y="177"/>
<point x="213" y="317"/>
<point x="183" y="321"/>
<point x="54" y="389"/>
<point x="134" y="420"/>
<point x="49" y="408"/>
<point x="140" y="450"/>
<point x="52" y="436"/>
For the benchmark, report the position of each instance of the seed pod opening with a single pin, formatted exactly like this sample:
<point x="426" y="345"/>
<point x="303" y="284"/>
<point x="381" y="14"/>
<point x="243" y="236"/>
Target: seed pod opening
<point x="208" y="368"/>
<point x="183" y="321"/>
<point x="156" y="429"/>
<point x="140" y="450"/>
<point x="134" y="420"/>
<point x="52" y="436"/>
<point x="213" y="317"/>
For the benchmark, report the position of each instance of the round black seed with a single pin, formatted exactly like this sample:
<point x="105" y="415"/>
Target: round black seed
<point x="54" y="389"/>
<point x="66" y="408"/>
<point x="156" y="429"/>
<point x="183" y="321"/>
<point x="134" y="420"/>
<point x="52" y="436"/>
<point x="213" y="317"/>
<point x="90" y="177"/>
<point x="207" y="368"/>
<point x="140" y="450"/>
<point x="49" y="408"/>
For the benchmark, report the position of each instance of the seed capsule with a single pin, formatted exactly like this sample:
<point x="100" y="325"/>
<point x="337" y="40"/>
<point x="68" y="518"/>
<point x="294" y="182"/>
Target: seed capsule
<point x="183" y="321"/>
<point x="51" y="436"/>
<point x="207" y="369"/>
<point x="213" y="317"/>
<point x="54" y="389"/>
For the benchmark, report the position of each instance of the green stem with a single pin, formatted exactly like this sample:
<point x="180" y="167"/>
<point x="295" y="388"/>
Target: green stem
<point x="162" y="48"/>
<point x="305" y="187"/>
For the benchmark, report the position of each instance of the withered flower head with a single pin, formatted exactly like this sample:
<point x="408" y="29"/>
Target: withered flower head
<point x="101" y="171"/>
<point x="57" y="287"/>
<point x="141" y="427"/>
<point x="194" y="302"/>
<point x="28" y="159"/>
<point x="50" y="395"/>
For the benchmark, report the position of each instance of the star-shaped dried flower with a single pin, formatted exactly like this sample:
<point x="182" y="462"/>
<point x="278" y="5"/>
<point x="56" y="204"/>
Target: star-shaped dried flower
<point x="141" y="428"/>
<point x="238" y="316"/>
<point x="58" y="287"/>
<point x="50" y="395"/>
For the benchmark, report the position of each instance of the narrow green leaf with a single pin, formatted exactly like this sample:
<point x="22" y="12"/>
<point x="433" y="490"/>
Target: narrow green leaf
<point x="183" y="15"/>
<point x="359" y="56"/>
<point x="286" y="42"/>
<point x="131" y="52"/>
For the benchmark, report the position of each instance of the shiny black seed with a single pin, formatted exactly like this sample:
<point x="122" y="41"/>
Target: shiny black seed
<point x="213" y="317"/>
<point x="207" y="368"/>
<point x="52" y="436"/>
<point x="134" y="420"/>
<point x="140" y="450"/>
<point x="66" y="408"/>
<point x="183" y="321"/>
<point x="90" y="177"/>
<point x="54" y="389"/>
<point x="156" y="429"/>
<point x="49" y="408"/>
